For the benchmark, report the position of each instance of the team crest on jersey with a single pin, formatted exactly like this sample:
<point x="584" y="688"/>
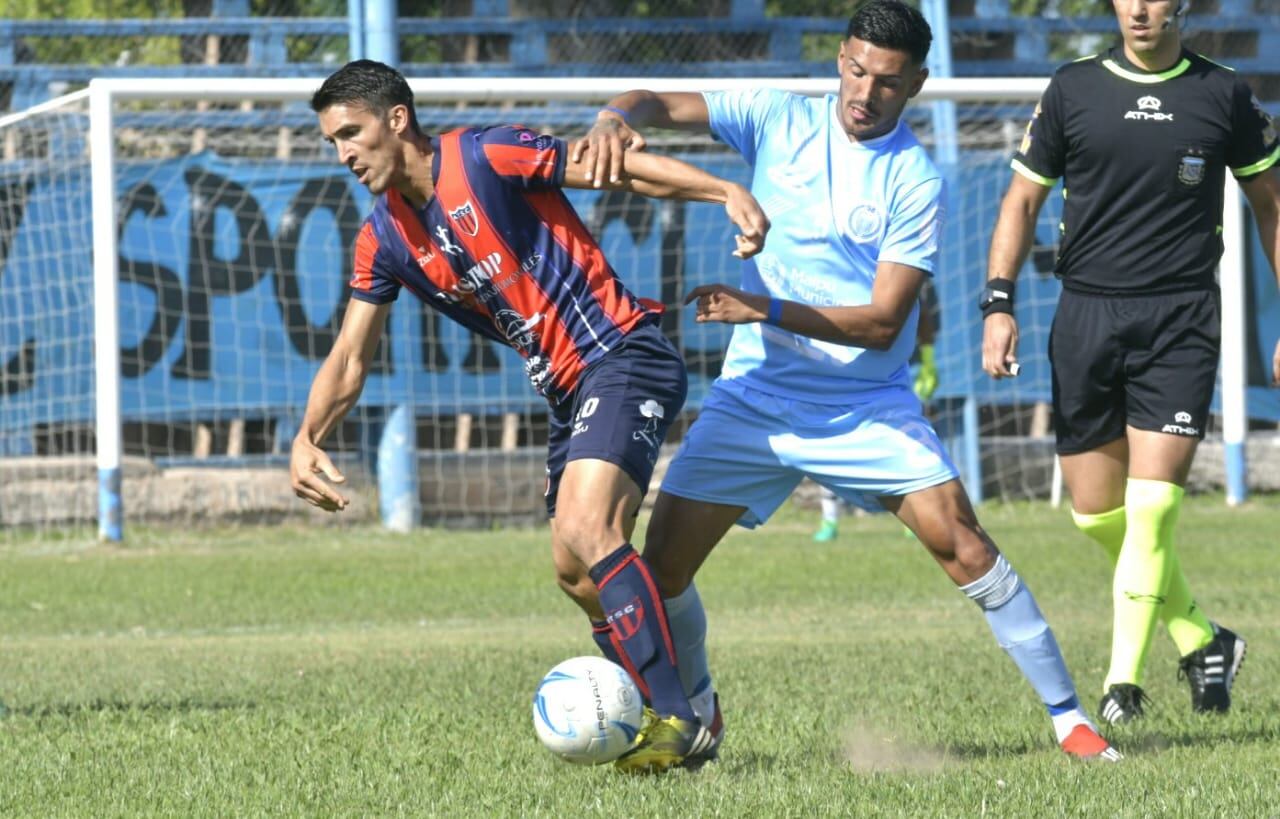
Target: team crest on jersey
<point x="866" y="223"/>
<point x="1191" y="170"/>
<point x="465" y="218"/>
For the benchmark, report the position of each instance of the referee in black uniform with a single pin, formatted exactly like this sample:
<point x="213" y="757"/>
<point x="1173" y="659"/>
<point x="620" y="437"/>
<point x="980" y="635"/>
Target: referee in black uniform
<point x="1142" y="137"/>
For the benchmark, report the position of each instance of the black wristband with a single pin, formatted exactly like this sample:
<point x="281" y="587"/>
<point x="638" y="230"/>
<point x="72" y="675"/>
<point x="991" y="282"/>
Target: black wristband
<point x="997" y="297"/>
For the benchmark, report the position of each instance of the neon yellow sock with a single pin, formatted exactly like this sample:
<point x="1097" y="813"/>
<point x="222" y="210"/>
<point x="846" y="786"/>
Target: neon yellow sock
<point x="1141" y="580"/>
<point x="1105" y="528"/>
<point x="1187" y="624"/>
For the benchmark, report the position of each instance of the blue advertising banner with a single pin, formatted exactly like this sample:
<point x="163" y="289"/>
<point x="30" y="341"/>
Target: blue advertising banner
<point x="233" y="282"/>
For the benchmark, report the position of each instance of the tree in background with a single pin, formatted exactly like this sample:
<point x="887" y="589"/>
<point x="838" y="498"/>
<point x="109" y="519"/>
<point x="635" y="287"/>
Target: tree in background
<point x="96" y="50"/>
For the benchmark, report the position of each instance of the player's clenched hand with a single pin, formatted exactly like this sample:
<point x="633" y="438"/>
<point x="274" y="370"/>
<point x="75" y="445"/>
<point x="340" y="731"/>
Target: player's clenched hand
<point x="719" y="302"/>
<point x="999" y="345"/>
<point x="603" y="147"/>
<point x="750" y="218"/>
<point x="1275" y="366"/>
<point x="311" y="472"/>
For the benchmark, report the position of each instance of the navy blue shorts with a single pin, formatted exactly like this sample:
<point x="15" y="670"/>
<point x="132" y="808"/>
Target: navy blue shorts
<point x="620" y="411"/>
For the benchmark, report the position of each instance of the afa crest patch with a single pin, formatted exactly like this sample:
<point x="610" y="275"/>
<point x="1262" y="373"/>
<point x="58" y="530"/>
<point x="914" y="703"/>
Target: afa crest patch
<point x="1191" y="170"/>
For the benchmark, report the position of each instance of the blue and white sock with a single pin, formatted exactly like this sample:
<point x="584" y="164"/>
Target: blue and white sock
<point x="688" y="621"/>
<point x="1022" y="632"/>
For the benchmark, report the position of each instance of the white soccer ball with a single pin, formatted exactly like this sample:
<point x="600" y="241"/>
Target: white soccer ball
<point x="587" y="710"/>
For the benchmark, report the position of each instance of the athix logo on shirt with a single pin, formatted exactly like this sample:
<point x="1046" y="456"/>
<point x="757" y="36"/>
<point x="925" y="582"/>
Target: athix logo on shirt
<point x="425" y="255"/>
<point x="1149" y="110"/>
<point x="465" y="218"/>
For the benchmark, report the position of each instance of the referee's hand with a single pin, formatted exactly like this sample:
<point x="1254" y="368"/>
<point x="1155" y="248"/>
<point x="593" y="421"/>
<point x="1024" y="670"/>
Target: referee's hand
<point x="999" y="345"/>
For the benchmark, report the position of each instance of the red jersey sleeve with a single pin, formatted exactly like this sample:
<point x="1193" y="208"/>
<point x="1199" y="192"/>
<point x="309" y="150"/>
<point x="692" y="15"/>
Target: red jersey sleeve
<point x="522" y="157"/>
<point x="370" y="280"/>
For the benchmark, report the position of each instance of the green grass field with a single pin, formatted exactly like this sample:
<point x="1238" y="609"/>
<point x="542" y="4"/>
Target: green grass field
<point x="296" y="671"/>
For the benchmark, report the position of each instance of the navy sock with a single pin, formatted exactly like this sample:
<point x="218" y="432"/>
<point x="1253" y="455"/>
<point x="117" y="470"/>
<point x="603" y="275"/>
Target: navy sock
<point x="602" y="633"/>
<point x="640" y="633"/>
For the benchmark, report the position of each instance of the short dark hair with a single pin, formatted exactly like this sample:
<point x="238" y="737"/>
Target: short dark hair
<point x="892" y="24"/>
<point x="375" y="86"/>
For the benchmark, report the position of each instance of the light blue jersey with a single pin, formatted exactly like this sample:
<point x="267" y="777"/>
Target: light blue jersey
<point x="837" y="208"/>
<point x="788" y="407"/>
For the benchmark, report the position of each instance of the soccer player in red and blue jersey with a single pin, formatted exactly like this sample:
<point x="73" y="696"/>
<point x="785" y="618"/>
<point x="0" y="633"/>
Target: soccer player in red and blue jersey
<point x="474" y="223"/>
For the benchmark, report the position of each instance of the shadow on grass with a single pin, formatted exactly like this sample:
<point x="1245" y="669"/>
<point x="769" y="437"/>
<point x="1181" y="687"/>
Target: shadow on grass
<point x="872" y="753"/>
<point x="1136" y="741"/>
<point x="742" y="762"/>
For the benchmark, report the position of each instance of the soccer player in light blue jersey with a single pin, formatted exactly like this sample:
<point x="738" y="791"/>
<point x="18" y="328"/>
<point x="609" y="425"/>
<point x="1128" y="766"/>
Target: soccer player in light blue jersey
<point x="815" y="381"/>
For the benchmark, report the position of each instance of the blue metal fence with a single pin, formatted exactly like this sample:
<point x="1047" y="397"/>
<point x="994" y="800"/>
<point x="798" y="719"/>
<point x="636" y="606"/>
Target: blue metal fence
<point x="990" y="42"/>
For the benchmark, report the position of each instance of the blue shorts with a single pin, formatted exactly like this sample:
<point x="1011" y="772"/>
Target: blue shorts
<point x="620" y="411"/>
<point x="750" y="448"/>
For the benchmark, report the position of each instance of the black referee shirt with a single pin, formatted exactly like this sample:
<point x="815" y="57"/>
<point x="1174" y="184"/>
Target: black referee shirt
<point x="1142" y="156"/>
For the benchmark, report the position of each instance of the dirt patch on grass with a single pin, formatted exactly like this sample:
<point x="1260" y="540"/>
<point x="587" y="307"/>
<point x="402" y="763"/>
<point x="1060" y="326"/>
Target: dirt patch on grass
<point x="872" y="749"/>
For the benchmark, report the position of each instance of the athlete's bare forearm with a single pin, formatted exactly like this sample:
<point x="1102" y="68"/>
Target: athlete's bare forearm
<point x="682" y="111"/>
<point x="1263" y="193"/>
<point x="868" y="325"/>
<point x="659" y="176"/>
<point x="667" y="178"/>
<point x="340" y="379"/>
<point x="1015" y="228"/>
<point x="873" y="326"/>
<point x="334" y="392"/>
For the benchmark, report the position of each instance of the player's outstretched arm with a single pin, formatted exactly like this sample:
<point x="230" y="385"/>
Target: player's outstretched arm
<point x="334" y="391"/>
<point x="1263" y="193"/>
<point x="617" y="128"/>
<point x="667" y="178"/>
<point x="1010" y="243"/>
<point x="873" y="326"/>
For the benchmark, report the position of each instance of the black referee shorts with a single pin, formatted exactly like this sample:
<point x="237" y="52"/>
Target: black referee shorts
<point x="1146" y="361"/>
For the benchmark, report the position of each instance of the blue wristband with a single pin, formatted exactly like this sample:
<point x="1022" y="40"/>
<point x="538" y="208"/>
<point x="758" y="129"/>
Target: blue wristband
<point x="613" y="109"/>
<point x="775" y="311"/>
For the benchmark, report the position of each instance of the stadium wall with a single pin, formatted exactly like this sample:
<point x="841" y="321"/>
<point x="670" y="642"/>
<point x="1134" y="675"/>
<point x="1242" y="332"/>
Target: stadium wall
<point x="468" y="490"/>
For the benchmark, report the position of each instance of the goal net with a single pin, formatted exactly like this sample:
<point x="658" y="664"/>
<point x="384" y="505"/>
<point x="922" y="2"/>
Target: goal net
<point x="230" y="228"/>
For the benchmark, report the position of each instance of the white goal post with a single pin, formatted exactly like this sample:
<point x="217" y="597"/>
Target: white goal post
<point x="994" y="430"/>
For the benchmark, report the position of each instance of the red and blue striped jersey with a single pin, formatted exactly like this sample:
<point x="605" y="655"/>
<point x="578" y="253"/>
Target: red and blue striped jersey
<point x="500" y="250"/>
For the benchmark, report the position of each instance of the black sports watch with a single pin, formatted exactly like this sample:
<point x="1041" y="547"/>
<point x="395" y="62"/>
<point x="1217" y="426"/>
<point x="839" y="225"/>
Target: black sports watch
<point x="997" y="297"/>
